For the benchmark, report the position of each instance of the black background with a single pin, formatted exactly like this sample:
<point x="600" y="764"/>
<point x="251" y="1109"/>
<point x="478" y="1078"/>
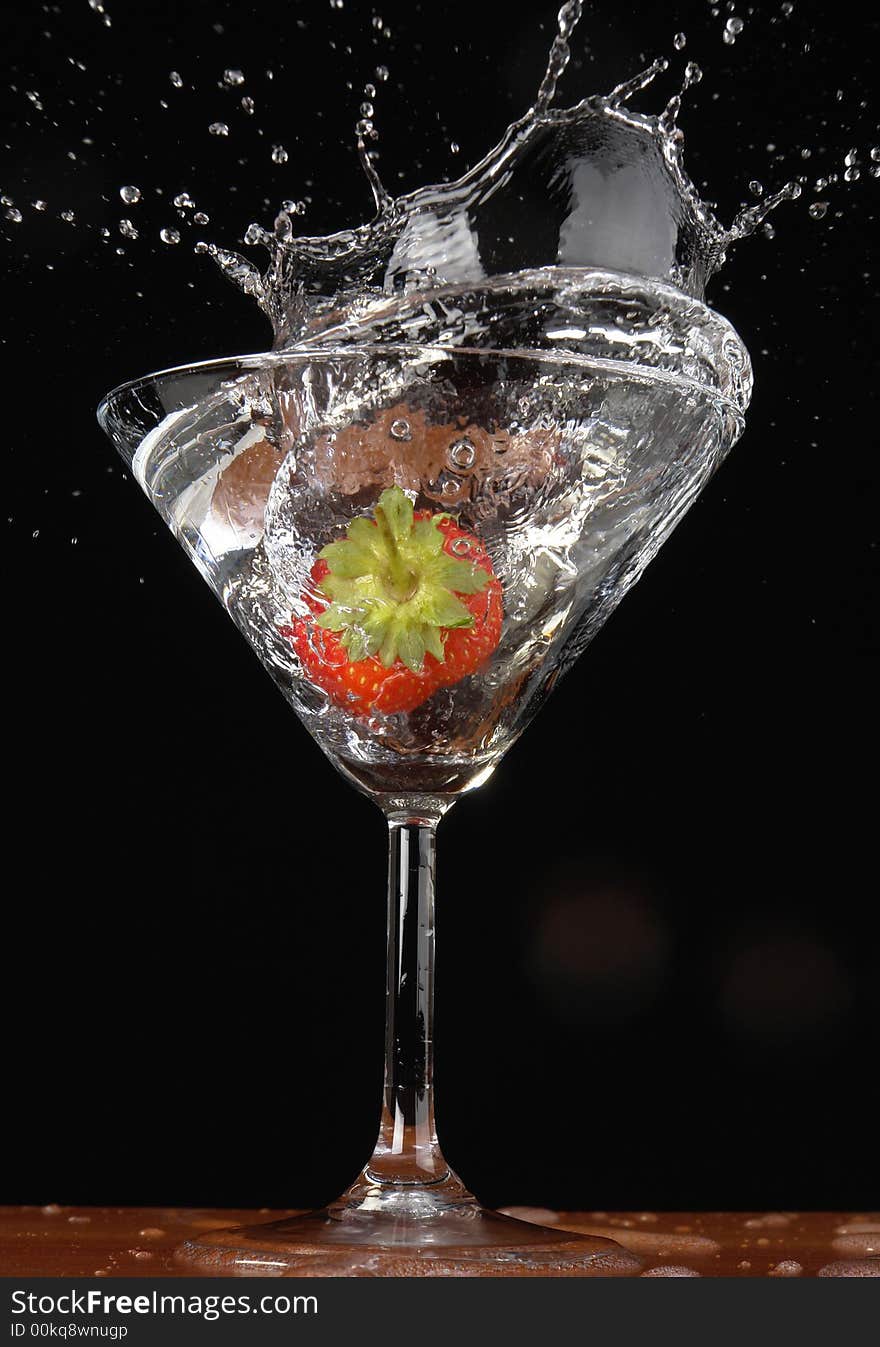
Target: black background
<point x="657" y="970"/>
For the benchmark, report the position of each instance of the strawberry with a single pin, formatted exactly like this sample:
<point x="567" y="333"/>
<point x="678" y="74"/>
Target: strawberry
<point x="405" y="604"/>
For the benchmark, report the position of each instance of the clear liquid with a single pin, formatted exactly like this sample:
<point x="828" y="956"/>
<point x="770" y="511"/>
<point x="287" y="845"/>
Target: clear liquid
<point x="574" y="357"/>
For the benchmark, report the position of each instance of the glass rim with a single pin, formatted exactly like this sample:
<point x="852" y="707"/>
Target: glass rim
<point x="303" y="354"/>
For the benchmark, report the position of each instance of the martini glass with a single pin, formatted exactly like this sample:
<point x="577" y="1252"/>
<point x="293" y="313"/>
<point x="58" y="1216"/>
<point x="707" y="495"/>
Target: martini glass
<point x="561" y="472"/>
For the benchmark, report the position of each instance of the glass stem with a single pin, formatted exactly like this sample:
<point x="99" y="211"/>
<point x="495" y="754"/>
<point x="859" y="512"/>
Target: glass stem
<point x="407" y="1151"/>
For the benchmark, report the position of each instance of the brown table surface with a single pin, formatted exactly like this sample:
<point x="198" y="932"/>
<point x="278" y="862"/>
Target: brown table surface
<point x="54" y="1241"/>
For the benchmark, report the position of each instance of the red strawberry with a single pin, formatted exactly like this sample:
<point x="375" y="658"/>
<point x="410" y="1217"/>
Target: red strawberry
<point x="405" y="604"/>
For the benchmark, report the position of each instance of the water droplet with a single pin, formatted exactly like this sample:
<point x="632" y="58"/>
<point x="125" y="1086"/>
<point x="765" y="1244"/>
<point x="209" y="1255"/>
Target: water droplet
<point x="787" y="7"/>
<point x="461" y="547"/>
<point x="201" y="218"/>
<point x="756" y="188"/>
<point x="68" y="216"/>
<point x="679" y="42"/>
<point x="202" y="247"/>
<point x="184" y="201"/>
<point x="818" y="210"/>
<point x="34" y="98"/>
<point x="40" y="205"/>
<point x="400" y="430"/>
<point x="788" y="1267"/>
<point x="874" y="170"/>
<point x="248" y="105"/>
<point x="367" y="109"/>
<point x="382" y="73"/>
<point x="852" y="174"/>
<point x="735" y="25"/>
<point x="169" y="235"/>
<point x="127" y="229"/>
<point x="806" y="153"/>
<point x="233" y="77"/>
<point x="769" y="231"/>
<point x="462" y="454"/>
<point x="454" y="147"/>
<point x="13" y="213"/>
<point x="875" y="153"/>
<point x="218" y="129"/>
<point x="130" y="195"/>
<point x="370" y="90"/>
<point x="279" y="154"/>
<point x="176" y="78"/>
<point x="851" y="157"/>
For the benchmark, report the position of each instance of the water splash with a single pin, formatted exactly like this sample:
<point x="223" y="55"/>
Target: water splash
<point x="595" y="185"/>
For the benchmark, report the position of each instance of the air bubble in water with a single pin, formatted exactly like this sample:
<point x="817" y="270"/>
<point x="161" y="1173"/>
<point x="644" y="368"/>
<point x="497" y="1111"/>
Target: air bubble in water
<point x="818" y="210"/>
<point x="679" y="42"/>
<point x="462" y="454"/>
<point x="169" y="235"/>
<point x="218" y="129"/>
<point x="127" y="229"/>
<point x="130" y="195"/>
<point x="233" y="77"/>
<point x="279" y="154"/>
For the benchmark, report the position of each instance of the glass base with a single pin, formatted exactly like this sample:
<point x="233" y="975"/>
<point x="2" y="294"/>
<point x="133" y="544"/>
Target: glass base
<point x="406" y="1231"/>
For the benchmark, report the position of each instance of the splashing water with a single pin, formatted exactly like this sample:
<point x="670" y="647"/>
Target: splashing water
<point x="593" y="186"/>
<point x="562" y="388"/>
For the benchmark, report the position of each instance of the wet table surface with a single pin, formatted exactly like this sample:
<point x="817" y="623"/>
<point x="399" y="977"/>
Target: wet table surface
<point x="55" y="1241"/>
